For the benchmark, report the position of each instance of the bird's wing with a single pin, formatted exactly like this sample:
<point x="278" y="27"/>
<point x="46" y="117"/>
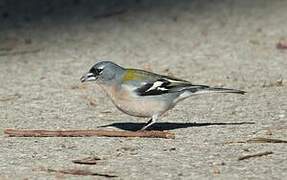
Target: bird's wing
<point x="167" y="85"/>
<point x="148" y="84"/>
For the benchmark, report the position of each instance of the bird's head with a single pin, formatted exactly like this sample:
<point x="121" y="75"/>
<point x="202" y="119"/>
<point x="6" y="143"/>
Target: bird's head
<point x="103" y="72"/>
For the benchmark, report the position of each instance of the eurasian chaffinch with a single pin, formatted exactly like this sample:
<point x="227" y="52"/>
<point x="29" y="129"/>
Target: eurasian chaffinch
<point x="144" y="94"/>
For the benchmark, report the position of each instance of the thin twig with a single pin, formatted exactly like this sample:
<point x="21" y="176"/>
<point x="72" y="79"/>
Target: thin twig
<point x="265" y="140"/>
<point x="10" y="98"/>
<point x="79" y="172"/>
<point x="81" y="133"/>
<point x="255" y="155"/>
<point x="258" y="140"/>
<point x="13" y="53"/>
<point x="88" y="160"/>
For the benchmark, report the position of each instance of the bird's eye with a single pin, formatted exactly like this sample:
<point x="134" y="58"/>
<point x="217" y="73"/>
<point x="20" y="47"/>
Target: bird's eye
<point x="96" y="71"/>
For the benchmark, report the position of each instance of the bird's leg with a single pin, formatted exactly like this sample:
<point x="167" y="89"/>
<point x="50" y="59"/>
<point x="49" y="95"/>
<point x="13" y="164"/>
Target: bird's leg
<point x="150" y="122"/>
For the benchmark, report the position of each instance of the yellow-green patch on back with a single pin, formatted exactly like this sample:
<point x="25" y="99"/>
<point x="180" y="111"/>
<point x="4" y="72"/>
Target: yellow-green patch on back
<point x="130" y="75"/>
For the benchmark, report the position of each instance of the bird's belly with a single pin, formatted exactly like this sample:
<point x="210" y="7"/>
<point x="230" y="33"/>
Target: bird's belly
<point x="141" y="107"/>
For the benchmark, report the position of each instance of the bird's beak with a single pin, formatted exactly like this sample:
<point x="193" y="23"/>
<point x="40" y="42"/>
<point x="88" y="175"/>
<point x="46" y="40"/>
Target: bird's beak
<point x="88" y="77"/>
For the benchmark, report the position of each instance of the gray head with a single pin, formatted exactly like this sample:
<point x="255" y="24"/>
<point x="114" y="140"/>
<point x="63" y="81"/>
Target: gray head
<point x="103" y="72"/>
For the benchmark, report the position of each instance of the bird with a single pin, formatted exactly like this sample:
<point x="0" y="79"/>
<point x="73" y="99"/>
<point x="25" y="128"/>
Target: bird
<point x="142" y="93"/>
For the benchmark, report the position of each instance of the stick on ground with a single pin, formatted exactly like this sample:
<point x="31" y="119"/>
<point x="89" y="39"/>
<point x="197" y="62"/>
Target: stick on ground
<point x="87" y="133"/>
<point x="265" y="140"/>
<point x="258" y="140"/>
<point x="80" y="172"/>
<point x="13" y="53"/>
<point x="255" y="155"/>
<point x="88" y="160"/>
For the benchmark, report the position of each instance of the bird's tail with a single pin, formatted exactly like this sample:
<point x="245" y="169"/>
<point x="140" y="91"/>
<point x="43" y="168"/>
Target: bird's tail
<point x="206" y="90"/>
<point x="225" y="90"/>
<point x="202" y="89"/>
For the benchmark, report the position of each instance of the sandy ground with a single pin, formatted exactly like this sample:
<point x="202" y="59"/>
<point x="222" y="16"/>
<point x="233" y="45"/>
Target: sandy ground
<point x="45" y="48"/>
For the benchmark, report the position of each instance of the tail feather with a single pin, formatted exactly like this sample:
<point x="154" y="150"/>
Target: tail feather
<point x="207" y="89"/>
<point x="225" y="90"/>
<point x="202" y="89"/>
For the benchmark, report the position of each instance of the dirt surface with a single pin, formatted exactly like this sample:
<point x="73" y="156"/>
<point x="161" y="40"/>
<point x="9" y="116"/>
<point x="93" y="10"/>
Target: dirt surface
<point x="46" y="46"/>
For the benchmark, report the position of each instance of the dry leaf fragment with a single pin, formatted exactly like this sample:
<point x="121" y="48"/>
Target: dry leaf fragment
<point x="282" y="44"/>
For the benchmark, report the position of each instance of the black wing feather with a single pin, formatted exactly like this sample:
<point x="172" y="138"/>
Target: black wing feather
<point x="144" y="90"/>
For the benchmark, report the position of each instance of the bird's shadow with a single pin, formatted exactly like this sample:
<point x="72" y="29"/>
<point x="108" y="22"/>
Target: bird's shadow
<point x="168" y="126"/>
